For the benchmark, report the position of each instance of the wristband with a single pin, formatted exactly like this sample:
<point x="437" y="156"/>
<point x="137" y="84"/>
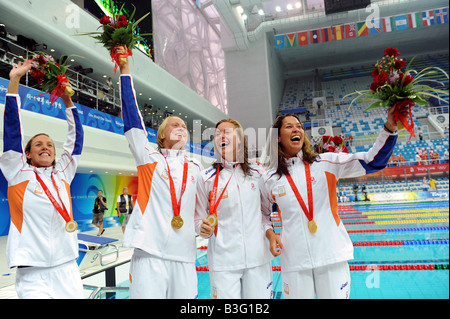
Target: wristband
<point x="388" y="129"/>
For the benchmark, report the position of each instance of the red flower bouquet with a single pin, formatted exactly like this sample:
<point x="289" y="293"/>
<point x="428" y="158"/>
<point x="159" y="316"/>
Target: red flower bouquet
<point x="50" y="75"/>
<point x="117" y="32"/>
<point x="333" y="144"/>
<point x="393" y="87"/>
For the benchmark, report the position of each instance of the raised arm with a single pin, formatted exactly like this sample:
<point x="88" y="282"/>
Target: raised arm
<point x="74" y="142"/>
<point x="13" y="158"/>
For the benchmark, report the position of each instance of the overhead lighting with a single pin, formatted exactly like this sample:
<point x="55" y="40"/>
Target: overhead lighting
<point x="72" y="60"/>
<point x="104" y="75"/>
<point x="52" y="50"/>
<point x="244" y="17"/>
<point x="278" y="9"/>
<point x="240" y="10"/>
<point x="289" y="6"/>
<point x="140" y="93"/>
<point x="298" y="5"/>
<point x="261" y="12"/>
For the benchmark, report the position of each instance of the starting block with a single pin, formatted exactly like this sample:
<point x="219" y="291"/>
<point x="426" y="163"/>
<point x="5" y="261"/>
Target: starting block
<point x="94" y="249"/>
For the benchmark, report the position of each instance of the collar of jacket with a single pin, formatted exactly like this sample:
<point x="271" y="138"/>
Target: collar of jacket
<point x="228" y="165"/>
<point x="173" y="153"/>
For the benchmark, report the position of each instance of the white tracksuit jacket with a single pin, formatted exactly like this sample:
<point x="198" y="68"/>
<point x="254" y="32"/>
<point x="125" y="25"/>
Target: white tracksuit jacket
<point x="149" y="227"/>
<point x="37" y="235"/>
<point x="241" y="242"/>
<point x="331" y="243"/>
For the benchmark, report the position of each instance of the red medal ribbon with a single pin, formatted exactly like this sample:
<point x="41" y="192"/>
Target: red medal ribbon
<point x="177" y="205"/>
<point x="398" y="117"/>
<point x="308" y="213"/>
<point x="58" y="90"/>
<point x="62" y="210"/>
<point x="212" y="201"/>
<point x="116" y="56"/>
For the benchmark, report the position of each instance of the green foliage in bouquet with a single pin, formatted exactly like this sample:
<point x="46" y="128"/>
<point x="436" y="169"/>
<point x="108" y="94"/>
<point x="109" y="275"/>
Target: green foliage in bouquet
<point x="118" y="31"/>
<point x="391" y="86"/>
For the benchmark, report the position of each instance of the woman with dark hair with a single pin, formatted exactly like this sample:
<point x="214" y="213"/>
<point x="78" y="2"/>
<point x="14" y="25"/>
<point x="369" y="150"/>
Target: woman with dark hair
<point x="228" y="212"/>
<point x="315" y="246"/>
<point x="41" y="243"/>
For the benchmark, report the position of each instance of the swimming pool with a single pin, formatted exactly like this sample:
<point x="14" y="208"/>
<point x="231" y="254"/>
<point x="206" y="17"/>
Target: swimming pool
<point x="401" y="252"/>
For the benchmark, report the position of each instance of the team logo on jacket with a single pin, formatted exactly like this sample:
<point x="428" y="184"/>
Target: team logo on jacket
<point x="252" y="186"/>
<point x="165" y="175"/>
<point x="38" y="190"/>
<point x="281" y="191"/>
<point x="286" y="288"/>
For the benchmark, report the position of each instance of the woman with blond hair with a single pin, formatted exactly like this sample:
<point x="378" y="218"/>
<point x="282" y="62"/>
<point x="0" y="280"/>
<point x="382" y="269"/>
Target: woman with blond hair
<point x="228" y="212"/>
<point x="42" y="242"/>
<point x="315" y="245"/>
<point x="161" y="228"/>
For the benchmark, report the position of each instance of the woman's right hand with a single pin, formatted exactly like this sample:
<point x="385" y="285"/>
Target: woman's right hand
<point x="124" y="68"/>
<point x="205" y="229"/>
<point x="275" y="243"/>
<point x="20" y="69"/>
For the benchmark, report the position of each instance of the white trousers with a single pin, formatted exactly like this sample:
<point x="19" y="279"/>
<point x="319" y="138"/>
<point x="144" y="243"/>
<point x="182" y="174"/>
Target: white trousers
<point x="156" y="278"/>
<point x="327" y="282"/>
<point x="58" y="282"/>
<point x="249" y="283"/>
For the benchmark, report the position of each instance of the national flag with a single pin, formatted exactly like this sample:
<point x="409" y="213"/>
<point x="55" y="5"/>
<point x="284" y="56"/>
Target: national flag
<point x="302" y="38"/>
<point x="326" y="35"/>
<point x="374" y="26"/>
<point x="428" y="18"/>
<point x="414" y="20"/>
<point x="315" y="36"/>
<point x="338" y="31"/>
<point x="280" y="41"/>
<point x="401" y="22"/>
<point x="350" y="30"/>
<point x="362" y="28"/>
<point x="388" y="22"/>
<point x="441" y="16"/>
<point x="291" y="40"/>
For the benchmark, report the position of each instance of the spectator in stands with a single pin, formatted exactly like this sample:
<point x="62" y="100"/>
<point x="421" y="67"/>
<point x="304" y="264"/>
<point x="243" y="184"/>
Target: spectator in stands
<point x="4" y="44"/>
<point x="420" y="133"/>
<point x="108" y="88"/>
<point x="425" y="184"/>
<point x="446" y="156"/>
<point x="342" y="195"/>
<point x="418" y="159"/>
<point x="393" y="160"/>
<point x="432" y="184"/>
<point x="314" y="262"/>
<point x="435" y="157"/>
<point x="401" y="160"/>
<point x="424" y="156"/>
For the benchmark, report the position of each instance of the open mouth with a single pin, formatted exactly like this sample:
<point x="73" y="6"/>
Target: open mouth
<point x="296" y="138"/>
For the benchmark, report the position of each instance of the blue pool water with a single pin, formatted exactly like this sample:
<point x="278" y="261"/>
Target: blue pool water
<point x="422" y="239"/>
<point x="408" y="235"/>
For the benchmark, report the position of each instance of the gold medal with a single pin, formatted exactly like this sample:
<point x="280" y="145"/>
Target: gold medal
<point x="212" y="220"/>
<point x="312" y="226"/>
<point x="177" y="222"/>
<point x="71" y="226"/>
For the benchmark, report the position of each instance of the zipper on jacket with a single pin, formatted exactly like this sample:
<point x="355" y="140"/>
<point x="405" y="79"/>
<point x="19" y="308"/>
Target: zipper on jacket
<point x="242" y="223"/>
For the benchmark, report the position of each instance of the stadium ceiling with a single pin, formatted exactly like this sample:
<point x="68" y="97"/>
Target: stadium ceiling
<point x="271" y="17"/>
